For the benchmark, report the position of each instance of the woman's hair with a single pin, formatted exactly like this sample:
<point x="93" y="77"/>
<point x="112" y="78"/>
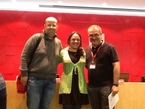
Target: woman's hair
<point x="80" y="49"/>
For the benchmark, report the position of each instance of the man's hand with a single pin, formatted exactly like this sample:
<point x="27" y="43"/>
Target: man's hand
<point x="115" y="90"/>
<point x="24" y="80"/>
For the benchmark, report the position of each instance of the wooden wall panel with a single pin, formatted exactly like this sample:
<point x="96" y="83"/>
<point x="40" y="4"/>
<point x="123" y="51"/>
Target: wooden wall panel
<point x="131" y="96"/>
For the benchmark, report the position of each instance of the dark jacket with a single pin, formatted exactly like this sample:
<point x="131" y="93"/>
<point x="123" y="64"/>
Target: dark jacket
<point x="45" y="59"/>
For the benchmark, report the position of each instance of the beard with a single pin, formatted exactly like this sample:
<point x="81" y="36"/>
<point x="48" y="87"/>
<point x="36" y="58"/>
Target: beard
<point x="95" y="42"/>
<point x="51" y="32"/>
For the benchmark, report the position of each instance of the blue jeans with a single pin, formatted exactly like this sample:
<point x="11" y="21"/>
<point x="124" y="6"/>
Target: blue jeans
<point x="99" y="96"/>
<point x="40" y="92"/>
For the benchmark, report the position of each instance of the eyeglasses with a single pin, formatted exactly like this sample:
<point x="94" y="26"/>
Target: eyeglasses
<point x="94" y="35"/>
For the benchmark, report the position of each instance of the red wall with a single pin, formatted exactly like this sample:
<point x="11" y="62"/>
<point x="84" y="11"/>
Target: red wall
<point x="125" y="32"/>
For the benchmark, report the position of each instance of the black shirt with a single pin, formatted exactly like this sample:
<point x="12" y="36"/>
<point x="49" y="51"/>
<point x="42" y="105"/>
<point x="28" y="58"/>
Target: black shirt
<point x="103" y="72"/>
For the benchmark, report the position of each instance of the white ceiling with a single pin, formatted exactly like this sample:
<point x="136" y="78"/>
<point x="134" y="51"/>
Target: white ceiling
<point x="93" y="6"/>
<point x="95" y="3"/>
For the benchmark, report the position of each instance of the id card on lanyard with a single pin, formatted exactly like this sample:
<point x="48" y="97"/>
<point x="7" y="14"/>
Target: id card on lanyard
<point x="93" y="64"/>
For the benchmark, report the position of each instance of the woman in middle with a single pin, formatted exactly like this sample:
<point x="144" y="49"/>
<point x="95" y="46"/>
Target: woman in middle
<point x="73" y="88"/>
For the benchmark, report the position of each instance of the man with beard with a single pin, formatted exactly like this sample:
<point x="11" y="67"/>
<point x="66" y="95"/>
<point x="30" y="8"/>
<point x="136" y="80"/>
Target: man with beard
<point x="103" y="69"/>
<point x="39" y="60"/>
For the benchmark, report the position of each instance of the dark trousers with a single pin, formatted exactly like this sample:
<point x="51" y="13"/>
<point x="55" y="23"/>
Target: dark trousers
<point x="72" y="106"/>
<point x="3" y="99"/>
<point x="99" y="96"/>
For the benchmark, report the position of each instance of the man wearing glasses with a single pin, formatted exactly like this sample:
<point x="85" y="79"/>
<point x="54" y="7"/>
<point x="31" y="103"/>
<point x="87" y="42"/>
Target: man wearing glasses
<point x="103" y="69"/>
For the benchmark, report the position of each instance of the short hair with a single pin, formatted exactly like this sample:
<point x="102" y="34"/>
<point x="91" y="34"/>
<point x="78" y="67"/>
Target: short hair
<point x="94" y="27"/>
<point x="51" y="19"/>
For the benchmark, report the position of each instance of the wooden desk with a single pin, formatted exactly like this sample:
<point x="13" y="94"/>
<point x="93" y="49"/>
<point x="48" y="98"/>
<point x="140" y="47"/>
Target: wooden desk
<point x="131" y="96"/>
<point x="18" y="101"/>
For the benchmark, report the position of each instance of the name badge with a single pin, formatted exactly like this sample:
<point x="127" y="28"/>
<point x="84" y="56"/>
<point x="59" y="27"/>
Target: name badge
<point x="92" y="66"/>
